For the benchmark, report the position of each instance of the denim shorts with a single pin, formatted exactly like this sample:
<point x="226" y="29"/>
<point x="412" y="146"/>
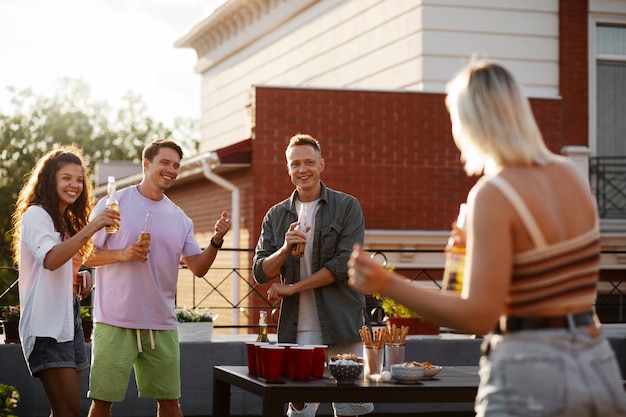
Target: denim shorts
<point x="48" y="353"/>
<point x="556" y="373"/>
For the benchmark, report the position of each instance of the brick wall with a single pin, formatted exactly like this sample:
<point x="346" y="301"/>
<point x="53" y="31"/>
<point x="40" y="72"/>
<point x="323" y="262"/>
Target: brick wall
<point x="392" y="150"/>
<point x="573" y="70"/>
<point x="204" y="201"/>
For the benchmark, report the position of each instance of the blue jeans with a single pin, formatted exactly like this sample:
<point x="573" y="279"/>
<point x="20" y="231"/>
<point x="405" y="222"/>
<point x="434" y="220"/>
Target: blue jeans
<point x="554" y="373"/>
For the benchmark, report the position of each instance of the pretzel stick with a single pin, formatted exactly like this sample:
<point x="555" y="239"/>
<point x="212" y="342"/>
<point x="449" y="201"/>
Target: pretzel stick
<point x="366" y="337"/>
<point x="363" y="332"/>
<point x="384" y="336"/>
<point x="405" y="332"/>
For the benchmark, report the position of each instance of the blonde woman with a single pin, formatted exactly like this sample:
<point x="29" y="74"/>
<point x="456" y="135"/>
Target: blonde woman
<point x="532" y="262"/>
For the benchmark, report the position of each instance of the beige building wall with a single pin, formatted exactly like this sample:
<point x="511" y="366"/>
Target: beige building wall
<point x="412" y="45"/>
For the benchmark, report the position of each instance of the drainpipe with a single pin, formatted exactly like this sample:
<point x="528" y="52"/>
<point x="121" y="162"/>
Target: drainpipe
<point x="208" y="163"/>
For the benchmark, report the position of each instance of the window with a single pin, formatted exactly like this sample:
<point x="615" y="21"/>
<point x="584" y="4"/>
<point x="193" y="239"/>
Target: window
<point x="610" y="91"/>
<point x="607" y="119"/>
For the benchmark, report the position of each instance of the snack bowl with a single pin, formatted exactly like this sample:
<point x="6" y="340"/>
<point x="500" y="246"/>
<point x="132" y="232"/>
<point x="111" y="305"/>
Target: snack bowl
<point x="431" y="371"/>
<point x="407" y="374"/>
<point x="345" y="368"/>
<point x="346" y="374"/>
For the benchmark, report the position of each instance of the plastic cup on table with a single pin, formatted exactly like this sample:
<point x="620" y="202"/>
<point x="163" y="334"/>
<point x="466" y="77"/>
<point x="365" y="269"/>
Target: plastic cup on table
<point x="250" y="349"/>
<point x="301" y="358"/>
<point x="287" y="366"/>
<point x="394" y="353"/>
<point x="272" y="359"/>
<point x="257" y="354"/>
<point x="373" y="358"/>
<point x="318" y="361"/>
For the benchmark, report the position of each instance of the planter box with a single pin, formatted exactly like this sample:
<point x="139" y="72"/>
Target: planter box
<point x="195" y="331"/>
<point x="416" y="325"/>
<point x="10" y="329"/>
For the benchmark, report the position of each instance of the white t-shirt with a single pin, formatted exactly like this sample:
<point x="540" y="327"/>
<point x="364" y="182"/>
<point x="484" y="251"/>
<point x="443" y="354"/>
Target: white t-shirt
<point x="140" y="295"/>
<point x="46" y="299"/>
<point x="308" y="318"/>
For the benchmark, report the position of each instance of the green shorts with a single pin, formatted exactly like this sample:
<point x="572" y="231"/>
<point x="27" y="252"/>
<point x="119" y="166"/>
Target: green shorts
<point x="115" y="351"/>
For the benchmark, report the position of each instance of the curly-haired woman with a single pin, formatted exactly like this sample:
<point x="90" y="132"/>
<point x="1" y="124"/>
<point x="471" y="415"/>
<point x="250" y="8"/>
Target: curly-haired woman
<point x="51" y="234"/>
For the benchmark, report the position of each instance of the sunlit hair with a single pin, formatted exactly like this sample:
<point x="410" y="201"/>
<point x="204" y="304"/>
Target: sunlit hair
<point x="40" y="189"/>
<point x="493" y="124"/>
<point x="152" y="148"/>
<point x="302" y="139"/>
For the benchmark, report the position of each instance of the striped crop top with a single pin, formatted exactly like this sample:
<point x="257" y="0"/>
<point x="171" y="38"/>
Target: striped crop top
<point x="562" y="274"/>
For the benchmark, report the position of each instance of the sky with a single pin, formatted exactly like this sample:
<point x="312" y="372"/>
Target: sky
<point x="114" y="46"/>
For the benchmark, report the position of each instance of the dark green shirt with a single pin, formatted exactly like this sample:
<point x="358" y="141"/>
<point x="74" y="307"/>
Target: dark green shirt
<point x="339" y="224"/>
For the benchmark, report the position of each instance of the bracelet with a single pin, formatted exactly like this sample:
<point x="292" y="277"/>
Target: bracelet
<point x="215" y="245"/>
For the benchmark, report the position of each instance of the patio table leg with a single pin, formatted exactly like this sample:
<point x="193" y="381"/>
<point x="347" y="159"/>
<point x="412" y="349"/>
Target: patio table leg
<point x="221" y="398"/>
<point x="272" y="406"/>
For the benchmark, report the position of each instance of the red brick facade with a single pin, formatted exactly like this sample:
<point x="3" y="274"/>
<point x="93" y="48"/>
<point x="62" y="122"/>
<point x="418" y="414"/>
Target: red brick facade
<point x="392" y="150"/>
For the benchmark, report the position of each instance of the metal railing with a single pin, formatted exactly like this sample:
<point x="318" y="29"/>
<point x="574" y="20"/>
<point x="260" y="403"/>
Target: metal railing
<point x="214" y="291"/>
<point x="608" y="182"/>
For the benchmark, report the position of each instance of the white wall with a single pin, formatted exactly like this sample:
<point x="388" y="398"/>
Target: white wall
<point x="365" y="44"/>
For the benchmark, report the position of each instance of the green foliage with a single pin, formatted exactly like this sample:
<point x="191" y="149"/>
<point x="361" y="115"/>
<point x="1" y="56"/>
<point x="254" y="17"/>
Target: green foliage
<point x="85" y="312"/>
<point x="38" y="124"/>
<point x="10" y="313"/>
<point x="187" y="314"/>
<point x="391" y="307"/>
<point x="395" y="309"/>
<point x="9" y="398"/>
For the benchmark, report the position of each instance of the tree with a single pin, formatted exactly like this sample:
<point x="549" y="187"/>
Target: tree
<point x="38" y="124"/>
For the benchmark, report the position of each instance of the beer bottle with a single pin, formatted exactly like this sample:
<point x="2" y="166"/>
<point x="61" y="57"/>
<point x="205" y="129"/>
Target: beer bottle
<point x="455" y="258"/>
<point x="112" y="204"/>
<point x="262" y="327"/>
<point x="298" y="248"/>
<point x="145" y="232"/>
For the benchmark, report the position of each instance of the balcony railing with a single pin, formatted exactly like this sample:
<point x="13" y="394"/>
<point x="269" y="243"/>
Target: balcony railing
<point x="237" y="298"/>
<point x="608" y="182"/>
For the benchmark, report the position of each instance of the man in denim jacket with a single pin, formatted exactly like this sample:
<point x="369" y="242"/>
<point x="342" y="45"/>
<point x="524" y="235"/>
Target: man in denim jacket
<point x="317" y="304"/>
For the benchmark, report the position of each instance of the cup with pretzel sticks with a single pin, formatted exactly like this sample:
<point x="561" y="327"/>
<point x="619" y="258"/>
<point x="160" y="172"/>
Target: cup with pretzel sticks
<point x="394" y="345"/>
<point x="373" y="351"/>
<point x="397" y="334"/>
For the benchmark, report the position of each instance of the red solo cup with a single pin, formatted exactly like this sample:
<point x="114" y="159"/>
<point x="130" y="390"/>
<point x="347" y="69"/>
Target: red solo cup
<point x="250" y="348"/>
<point x="272" y="357"/>
<point x="301" y="358"/>
<point x="318" y="361"/>
<point x="257" y="354"/>
<point x="287" y="369"/>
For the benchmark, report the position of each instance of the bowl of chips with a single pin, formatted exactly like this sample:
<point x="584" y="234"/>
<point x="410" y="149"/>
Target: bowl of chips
<point x="345" y="368"/>
<point x="407" y="373"/>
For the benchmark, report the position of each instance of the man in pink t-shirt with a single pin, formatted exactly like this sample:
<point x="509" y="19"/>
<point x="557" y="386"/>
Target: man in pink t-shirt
<point x="136" y="282"/>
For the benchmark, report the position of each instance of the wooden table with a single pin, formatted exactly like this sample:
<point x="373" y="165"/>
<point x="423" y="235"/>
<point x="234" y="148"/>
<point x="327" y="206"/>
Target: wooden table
<point x="452" y="384"/>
